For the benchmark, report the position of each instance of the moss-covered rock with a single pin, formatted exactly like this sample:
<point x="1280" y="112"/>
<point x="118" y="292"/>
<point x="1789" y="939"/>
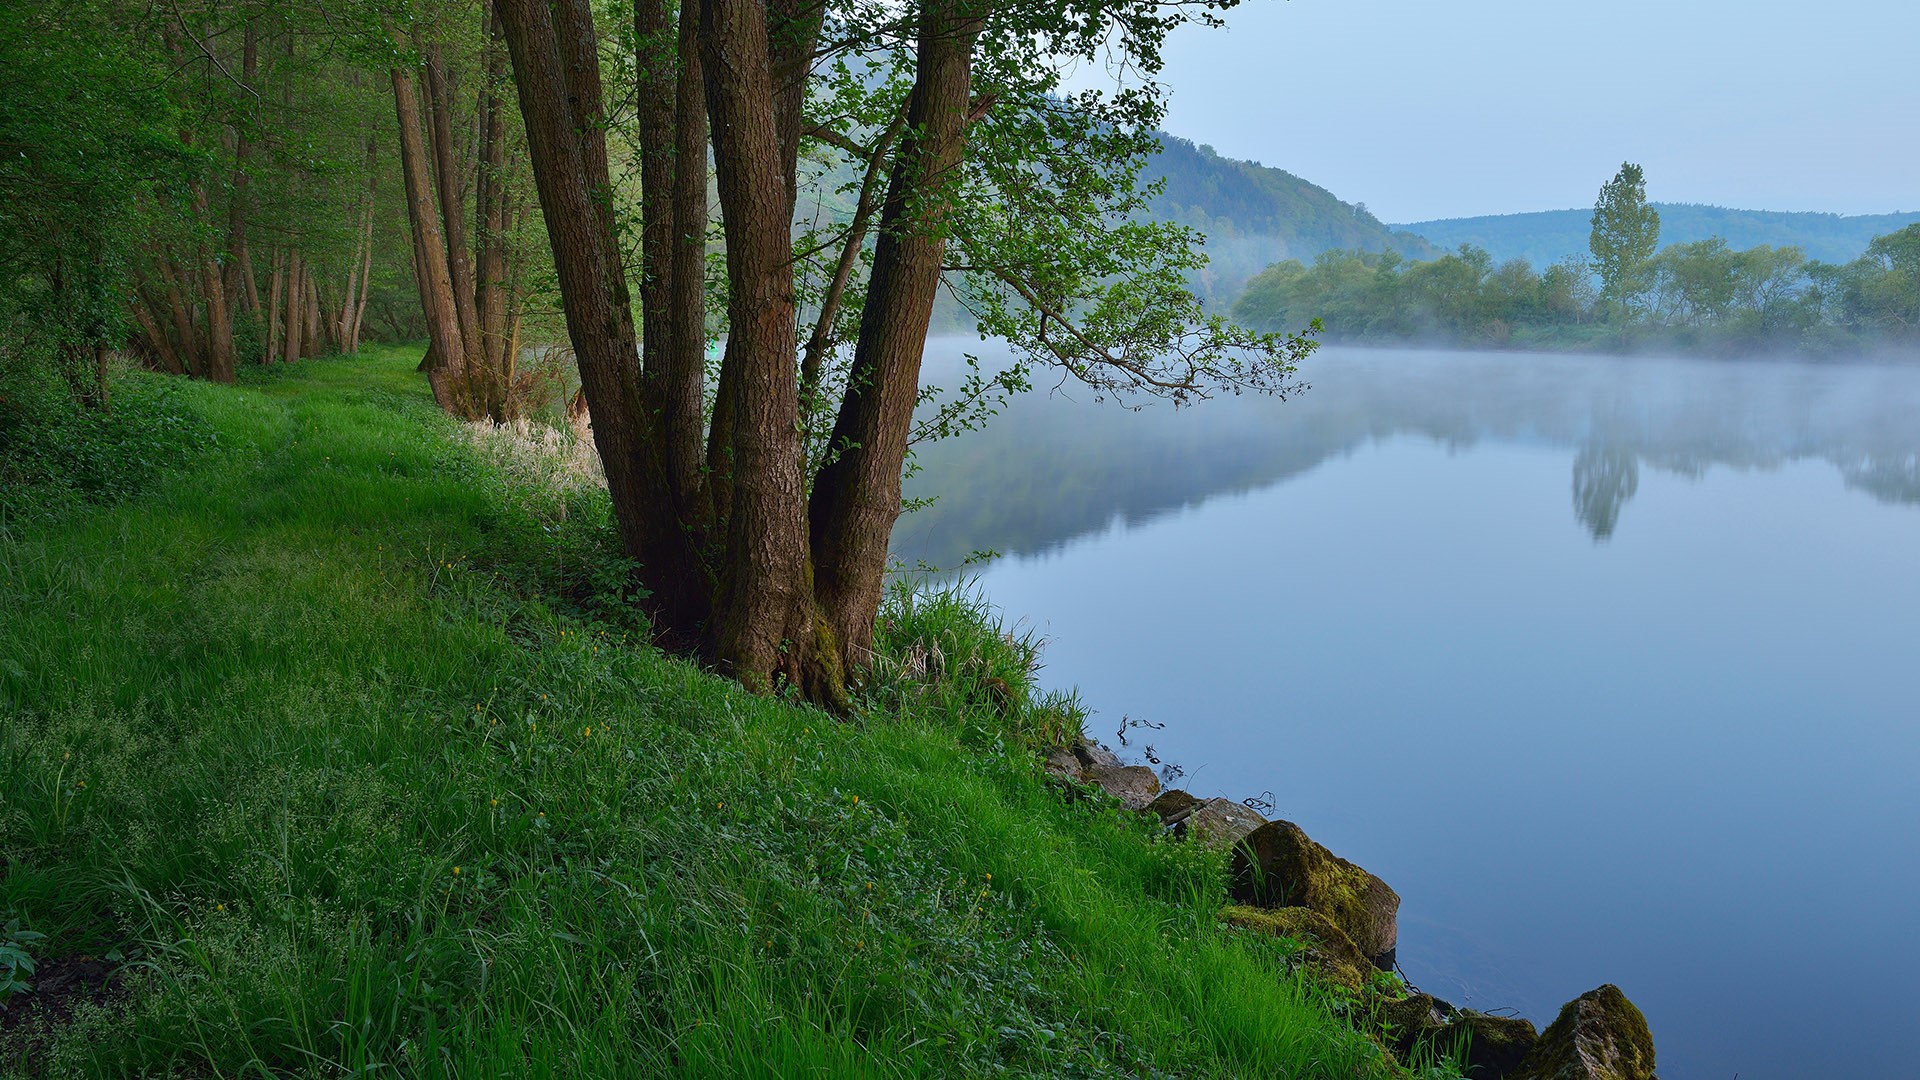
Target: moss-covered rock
<point x="1279" y="865"/>
<point x="1173" y="807"/>
<point x="1497" y="1044"/>
<point x="1134" y="785"/>
<point x="1421" y="1023"/>
<point x="1220" y="822"/>
<point x="1599" y="1035"/>
<point x="1324" y="947"/>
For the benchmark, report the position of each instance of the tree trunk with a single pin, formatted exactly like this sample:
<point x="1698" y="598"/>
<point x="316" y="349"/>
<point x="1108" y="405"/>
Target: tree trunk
<point x="672" y="395"/>
<point x="186" y="339"/>
<point x="447" y="176"/>
<point x="296" y="287"/>
<point x="314" y="335"/>
<point x="240" y="282"/>
<point x="765" y="625"/>
<point x="856" y="497"/>
<point x="448" y="378"/>
<point x="219" y="359"/>
<point x="560" y="102"/>
<point x="490" y="227"/>
<point x="275" y="283"/>
<point x="156" y="337"/>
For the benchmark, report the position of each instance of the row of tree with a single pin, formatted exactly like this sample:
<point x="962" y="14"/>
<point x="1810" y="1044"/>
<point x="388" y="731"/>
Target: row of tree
<point x="1631" y="291"/>
<point x="217" y="184"/>
<point x="1703" y="294"/>
<point x="801" y="179"/>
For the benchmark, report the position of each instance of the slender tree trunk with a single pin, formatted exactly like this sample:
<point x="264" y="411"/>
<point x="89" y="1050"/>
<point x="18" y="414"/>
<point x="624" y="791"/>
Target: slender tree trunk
<point x="316" y="326"/>
<point x="447" y="176"/>
<point x="856" y="497"/>
<point x="671" y="392"/>
<point x="448" y="378"/>
<point x="275" y="283"/>
<point x="240" y="282"/>
<point x="156" y="337"/>
<point x="765" y="622"/>
<point x="186" y="339"/>
<point x="490" y="225"/>
<point x="296" y="286"/>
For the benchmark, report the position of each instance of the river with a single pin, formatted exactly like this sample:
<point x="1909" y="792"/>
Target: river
<point x="1610" y="666"/>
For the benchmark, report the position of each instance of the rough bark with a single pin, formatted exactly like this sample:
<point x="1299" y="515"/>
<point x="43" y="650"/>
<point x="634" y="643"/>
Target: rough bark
<point x="271" y="349"/>
<point x="447" y="176"/>
<point x="296" y="283"/>
<point x="560" y="105"/>
<point x="671" y="392"/>
<point x="491" y="300"/>
<point x="765" y="625"/>
<point x="447" y="377"/>
<point x="856" y="496"/>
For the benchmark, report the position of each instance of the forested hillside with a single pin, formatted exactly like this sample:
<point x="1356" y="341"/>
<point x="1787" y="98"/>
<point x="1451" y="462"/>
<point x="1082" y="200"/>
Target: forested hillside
<point x="1254" y="215"/>
<point x="1549" y="236"/>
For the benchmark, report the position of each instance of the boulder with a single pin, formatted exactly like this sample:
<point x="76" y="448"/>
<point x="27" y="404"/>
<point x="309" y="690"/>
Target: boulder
<point x="1279" y="865"/>
<point x="1134" y="785"/>
<point x="1325" y="950"/>
<point x="1495" y="1045"/>
<point x="1090" y="753"/>
<point x="1172" y="807"/>
<point x="1599" y="1035"/>
<point x="1061" y="761"/>
<point x="1220" y="822"/>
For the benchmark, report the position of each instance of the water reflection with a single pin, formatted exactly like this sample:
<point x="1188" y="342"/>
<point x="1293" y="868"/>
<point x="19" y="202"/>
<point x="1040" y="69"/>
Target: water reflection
<point x="1604" y="478"/>
<point x="1054" y="468"/>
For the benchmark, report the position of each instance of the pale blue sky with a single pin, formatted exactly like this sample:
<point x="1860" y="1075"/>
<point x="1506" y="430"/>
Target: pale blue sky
<point x="1425" y="110"/>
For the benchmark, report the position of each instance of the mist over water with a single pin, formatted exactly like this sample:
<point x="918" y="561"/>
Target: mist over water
<point x="1607" y="665"/>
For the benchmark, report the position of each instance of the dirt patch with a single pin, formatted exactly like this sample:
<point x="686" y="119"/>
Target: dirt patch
<point x="61" y="986"/>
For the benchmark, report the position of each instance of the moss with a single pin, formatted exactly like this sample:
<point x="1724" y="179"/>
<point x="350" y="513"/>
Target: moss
<point x="1323" y="947"/>
<point x="1279" y="865"/>
<point x="1599" y="1034"/>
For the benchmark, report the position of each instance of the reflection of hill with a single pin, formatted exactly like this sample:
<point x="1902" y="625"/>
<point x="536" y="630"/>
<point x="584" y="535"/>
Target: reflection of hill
<point x="1051" y="469"/>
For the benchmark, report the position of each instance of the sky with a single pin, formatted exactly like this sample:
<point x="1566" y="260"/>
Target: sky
<point x="1426" y="110"/>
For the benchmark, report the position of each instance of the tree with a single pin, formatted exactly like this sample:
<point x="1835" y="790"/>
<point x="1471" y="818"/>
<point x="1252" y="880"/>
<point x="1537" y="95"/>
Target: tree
<point x="1626" y="233"/>
<point x="765" y="553"/>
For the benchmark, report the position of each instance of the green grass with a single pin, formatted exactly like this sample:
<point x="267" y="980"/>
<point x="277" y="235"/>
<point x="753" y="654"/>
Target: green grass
<point x="342" y="744"/>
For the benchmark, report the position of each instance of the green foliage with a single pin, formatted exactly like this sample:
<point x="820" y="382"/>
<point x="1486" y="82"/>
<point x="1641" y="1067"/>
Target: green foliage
<point x="1626" y="233"/>
<point x="1692" y="295"/>
<point x="349" y="802"/>
<point x="90" y="138"/>
<point x="16" y="963"/>
<point x="53" y="453"/>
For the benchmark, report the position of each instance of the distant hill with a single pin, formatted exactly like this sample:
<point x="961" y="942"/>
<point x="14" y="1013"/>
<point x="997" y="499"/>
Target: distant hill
<point x="1255" y="215"/>
<point x="1548" y="236"/>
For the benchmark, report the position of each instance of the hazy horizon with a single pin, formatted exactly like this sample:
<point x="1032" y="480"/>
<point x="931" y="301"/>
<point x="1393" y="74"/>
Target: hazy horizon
<point x="1499" y="107"/>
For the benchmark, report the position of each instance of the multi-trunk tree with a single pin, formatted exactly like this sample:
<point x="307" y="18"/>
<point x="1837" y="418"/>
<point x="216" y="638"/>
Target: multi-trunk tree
<point x="761" y="529"/>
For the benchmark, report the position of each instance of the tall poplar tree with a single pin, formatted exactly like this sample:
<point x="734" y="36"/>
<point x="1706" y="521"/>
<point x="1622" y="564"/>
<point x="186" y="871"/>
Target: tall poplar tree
<point x="1626" y="233"/>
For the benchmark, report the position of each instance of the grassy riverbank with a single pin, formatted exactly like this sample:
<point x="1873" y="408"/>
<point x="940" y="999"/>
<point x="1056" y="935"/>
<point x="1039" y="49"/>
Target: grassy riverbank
<point x="335" y="743"/>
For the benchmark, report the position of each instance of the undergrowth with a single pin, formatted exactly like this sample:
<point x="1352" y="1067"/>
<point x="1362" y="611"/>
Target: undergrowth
<point x="344" y="744"/>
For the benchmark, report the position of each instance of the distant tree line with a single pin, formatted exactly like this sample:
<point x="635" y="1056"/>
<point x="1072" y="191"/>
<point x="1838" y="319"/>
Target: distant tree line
<point x="1703" y="295"/>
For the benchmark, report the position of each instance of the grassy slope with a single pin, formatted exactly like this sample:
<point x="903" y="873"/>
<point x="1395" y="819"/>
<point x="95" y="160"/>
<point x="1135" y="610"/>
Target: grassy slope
<point x="290" y="735"/>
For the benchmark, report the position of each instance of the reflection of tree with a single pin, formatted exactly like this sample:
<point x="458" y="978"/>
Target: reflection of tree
<point x="1604" y="478"/>
<point x="1892" y="478"/>
<point x="1052" y="469"/>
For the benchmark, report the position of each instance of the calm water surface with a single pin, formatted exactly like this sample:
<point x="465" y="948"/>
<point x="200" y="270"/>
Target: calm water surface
<point x="1609" y="666"/>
